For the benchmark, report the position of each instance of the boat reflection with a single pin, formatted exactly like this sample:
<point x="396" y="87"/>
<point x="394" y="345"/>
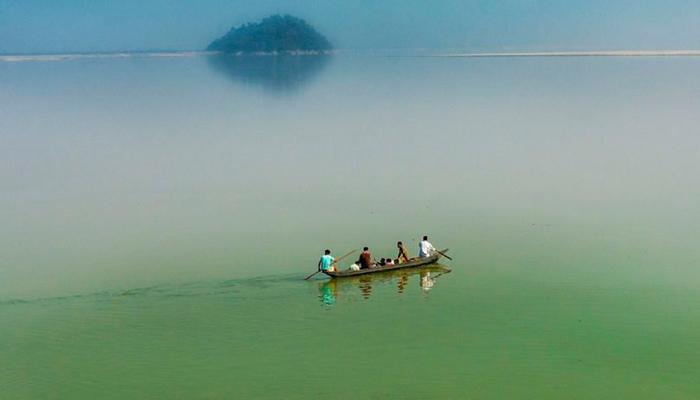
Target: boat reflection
<point x="333" y="290"/>
<point x="282" y="73"/>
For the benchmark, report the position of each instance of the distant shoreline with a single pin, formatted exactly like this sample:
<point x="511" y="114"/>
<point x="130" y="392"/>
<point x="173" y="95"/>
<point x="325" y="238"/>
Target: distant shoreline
<point x="139" y="54"/>
<point x="18" y="57"/>
<point x="613" y="53"/>
<point x="81" y="56"/>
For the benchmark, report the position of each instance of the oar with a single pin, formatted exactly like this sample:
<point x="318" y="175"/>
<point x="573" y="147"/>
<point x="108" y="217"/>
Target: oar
<point x="334" y="262"/>
<point x="443" y="254"/>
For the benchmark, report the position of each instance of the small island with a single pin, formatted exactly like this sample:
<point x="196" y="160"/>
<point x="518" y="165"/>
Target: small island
<point x="273" y="35"/>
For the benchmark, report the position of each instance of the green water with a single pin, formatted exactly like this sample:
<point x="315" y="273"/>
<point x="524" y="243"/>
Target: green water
<point x="159" y="216"/>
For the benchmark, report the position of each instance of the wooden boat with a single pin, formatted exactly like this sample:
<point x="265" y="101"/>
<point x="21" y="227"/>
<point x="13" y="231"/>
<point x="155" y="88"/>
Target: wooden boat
<point x="412" y="263"/>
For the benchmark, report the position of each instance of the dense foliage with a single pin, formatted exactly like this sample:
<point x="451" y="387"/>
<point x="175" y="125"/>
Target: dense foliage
<point x="278" y="33"/>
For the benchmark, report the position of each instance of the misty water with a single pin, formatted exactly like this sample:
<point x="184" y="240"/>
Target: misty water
<point x="159" y="214"/>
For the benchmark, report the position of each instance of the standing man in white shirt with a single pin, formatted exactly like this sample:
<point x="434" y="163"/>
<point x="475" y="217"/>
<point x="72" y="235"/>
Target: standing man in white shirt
<point x="426" y="249"/>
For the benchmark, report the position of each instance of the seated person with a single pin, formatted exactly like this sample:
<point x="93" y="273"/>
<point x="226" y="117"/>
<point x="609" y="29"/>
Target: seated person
<point x="389" y="261"/>
<point x="382" y="262"/>
<point x="326" y="263"/>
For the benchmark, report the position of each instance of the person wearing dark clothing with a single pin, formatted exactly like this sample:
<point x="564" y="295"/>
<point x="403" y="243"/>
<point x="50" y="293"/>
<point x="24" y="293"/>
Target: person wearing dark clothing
<point x="365" y="259"/>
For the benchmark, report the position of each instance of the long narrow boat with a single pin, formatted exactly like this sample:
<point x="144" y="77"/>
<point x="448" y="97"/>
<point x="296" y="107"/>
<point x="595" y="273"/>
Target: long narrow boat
<point x="412" y="263"/>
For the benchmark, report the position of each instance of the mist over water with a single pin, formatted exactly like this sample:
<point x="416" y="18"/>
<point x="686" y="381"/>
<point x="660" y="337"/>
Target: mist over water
<point x="159" y="214"/>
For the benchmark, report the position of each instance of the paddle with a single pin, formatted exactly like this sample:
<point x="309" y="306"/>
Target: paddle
<point x="334" y="262"/>
<point x="443" y="254"/>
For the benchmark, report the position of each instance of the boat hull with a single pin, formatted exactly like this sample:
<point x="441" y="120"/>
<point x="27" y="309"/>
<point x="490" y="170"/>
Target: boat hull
<point x="413" y="263"/>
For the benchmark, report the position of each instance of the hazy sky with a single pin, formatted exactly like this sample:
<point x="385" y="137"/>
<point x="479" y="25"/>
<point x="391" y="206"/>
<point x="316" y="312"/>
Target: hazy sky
<point x="106" y="25"/>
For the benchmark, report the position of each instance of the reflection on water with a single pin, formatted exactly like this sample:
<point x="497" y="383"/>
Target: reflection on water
<point x="426" y="281"/>
<point x="329" y="292"/>
<point x="401" y="283"/>
<point x="332" y="291"/>
<point x="284" y="73"/>
<point x="365" y="284"/>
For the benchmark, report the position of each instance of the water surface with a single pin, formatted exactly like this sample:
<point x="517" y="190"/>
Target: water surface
<point x="159" y="214"/>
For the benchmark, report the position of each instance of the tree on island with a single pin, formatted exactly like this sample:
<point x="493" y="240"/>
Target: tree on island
<point x="274" y="34"/>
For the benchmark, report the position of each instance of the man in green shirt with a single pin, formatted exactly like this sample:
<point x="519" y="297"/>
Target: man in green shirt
<point x="326" y="262"/>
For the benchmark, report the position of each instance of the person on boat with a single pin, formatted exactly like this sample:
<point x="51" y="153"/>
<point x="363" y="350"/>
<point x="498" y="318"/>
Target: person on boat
<point x="389" y="261"/>
<point x="403" y="253"/>
<point x="326" y="262"/>
<point x="426" y="249"/>
<point x="365" y="259"/>
<point x="382" y="262"/>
